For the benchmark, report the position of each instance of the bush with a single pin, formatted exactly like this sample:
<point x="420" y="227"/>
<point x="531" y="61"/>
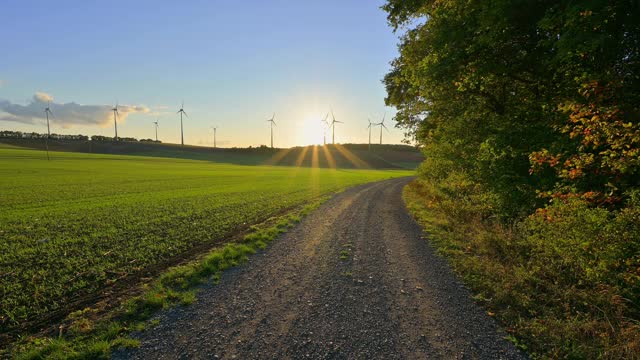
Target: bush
<point x="565" y="281"/>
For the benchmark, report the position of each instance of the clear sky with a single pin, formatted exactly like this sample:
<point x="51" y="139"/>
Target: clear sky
<point x="234" y="63"/>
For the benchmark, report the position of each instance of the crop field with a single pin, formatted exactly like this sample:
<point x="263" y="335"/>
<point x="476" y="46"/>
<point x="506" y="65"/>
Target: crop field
<point x="79" y="223"/>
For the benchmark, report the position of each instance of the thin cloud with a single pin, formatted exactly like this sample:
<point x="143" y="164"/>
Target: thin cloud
<point x="64" y="115"/>
<point x="160" y="110"/>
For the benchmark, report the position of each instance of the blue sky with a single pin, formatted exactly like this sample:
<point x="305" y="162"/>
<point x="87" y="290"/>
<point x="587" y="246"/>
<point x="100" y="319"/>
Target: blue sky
<point x="233" y="63"/>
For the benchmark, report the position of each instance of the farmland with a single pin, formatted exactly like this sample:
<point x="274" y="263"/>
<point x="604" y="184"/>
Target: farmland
<point x="384" y="156"/>
<point x="82" y="222"/>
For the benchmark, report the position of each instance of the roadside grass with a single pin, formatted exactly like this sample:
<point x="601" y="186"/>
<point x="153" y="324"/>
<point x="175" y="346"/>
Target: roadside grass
<point x="91" y="337"/>
<point x="562" y="284"/>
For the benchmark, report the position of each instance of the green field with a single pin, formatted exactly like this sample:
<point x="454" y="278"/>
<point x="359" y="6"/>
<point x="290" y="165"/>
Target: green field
<point x="78" y="224"/>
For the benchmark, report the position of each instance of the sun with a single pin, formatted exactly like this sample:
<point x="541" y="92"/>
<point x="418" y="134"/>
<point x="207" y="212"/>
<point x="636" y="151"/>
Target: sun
<point x="311" y="130"/>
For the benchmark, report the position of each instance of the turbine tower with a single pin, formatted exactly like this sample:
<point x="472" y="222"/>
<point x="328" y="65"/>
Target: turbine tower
<point x="381" y="124"/>
<point x="47" y="112"/>
<point x="181" y="111"/>
<point x="115" y="119"/>
<point x="333" y="127"/>
<point x="324" y="129"/>
<point x="272" y="123"/>
<point x="156" y="125"/>
<point x="214" y="136"/>
<point x="369" y="127"/>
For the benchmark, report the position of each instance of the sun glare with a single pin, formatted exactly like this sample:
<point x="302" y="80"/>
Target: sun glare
<point x="310" y="131"/>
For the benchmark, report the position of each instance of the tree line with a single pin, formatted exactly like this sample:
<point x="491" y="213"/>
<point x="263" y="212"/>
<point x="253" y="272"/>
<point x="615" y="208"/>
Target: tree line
<point x="528" y="113"/>
<point x="526" y="98"/>
<point x="60" y="137"/>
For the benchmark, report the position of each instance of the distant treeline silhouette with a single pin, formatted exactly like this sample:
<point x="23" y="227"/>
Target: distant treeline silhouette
<point x="34" y="135"/>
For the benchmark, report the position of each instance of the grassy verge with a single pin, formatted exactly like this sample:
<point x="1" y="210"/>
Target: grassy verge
<point x="561" y="282"/>
<point x="86" y="334"/>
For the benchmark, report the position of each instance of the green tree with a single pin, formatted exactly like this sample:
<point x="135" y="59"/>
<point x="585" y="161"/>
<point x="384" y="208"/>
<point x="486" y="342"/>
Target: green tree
<point x="487" y="85"/>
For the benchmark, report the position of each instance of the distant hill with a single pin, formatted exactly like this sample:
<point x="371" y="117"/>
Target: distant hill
<point x="341" y="156"/>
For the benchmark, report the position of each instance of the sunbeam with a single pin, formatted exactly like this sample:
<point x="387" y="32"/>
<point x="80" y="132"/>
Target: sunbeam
<point x="331" y="162"/>
<point x="353" y="159"/>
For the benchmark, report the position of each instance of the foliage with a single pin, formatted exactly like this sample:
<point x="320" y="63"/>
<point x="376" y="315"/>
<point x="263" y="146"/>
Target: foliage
<point x="489" y="84"/>
<point x="605" y="161"/>
<point x="564" y="282"/>
<point x="528" y="113"/>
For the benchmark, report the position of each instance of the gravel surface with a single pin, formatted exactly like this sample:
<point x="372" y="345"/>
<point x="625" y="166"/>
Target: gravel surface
<point x="354" y="280"/>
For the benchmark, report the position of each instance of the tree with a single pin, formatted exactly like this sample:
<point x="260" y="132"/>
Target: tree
<point x="487" y="85"/>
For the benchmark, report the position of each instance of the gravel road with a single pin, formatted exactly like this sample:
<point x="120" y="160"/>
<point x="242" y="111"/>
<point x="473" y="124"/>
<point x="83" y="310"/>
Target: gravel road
<point x="354" y="280"/>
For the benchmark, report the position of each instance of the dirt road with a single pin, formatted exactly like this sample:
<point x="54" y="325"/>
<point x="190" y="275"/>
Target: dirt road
<point x="354" y="280"/>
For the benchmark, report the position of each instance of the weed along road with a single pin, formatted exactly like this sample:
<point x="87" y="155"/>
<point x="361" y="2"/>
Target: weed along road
<point x="355" y="279"/>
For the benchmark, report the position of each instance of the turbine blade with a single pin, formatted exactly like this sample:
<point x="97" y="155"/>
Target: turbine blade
<point x="185" y="113"/>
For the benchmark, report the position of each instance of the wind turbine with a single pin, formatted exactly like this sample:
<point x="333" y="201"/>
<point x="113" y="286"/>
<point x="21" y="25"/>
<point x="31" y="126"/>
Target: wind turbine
<point x="214" y="136"/>
<point x="156" y="125"/>
<point x="115" y="119"/>
<point x="272" y="123"/>
<point x="382" y="126"/>
<point x="324" y="129"/>
<point x="333" y="127"/>
<point x="369" y="127"/>
<point x="47" y="111"/>
<point x="181" y="111"/>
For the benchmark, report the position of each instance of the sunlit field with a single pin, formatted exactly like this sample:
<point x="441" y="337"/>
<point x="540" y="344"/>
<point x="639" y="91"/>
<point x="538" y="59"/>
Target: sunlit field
<point x="82" y="222"/>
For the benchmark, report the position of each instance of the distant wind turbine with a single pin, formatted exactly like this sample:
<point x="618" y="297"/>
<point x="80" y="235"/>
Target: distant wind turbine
<point x="333" y="127"/>
<point x="381" y="124"/>
<point x="272" y="121"/>
<point x="156" y="126"/>
<point x="214" y="136"/>
<point x="115" y="119"/>
<point x="181" y="111"/>
<point x="324" y="129"/>
<point x="369" y="127"/>
<point x="47" y="112"/>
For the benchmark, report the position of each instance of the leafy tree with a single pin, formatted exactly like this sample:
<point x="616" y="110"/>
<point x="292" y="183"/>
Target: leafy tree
<point x="523" y="96"/>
